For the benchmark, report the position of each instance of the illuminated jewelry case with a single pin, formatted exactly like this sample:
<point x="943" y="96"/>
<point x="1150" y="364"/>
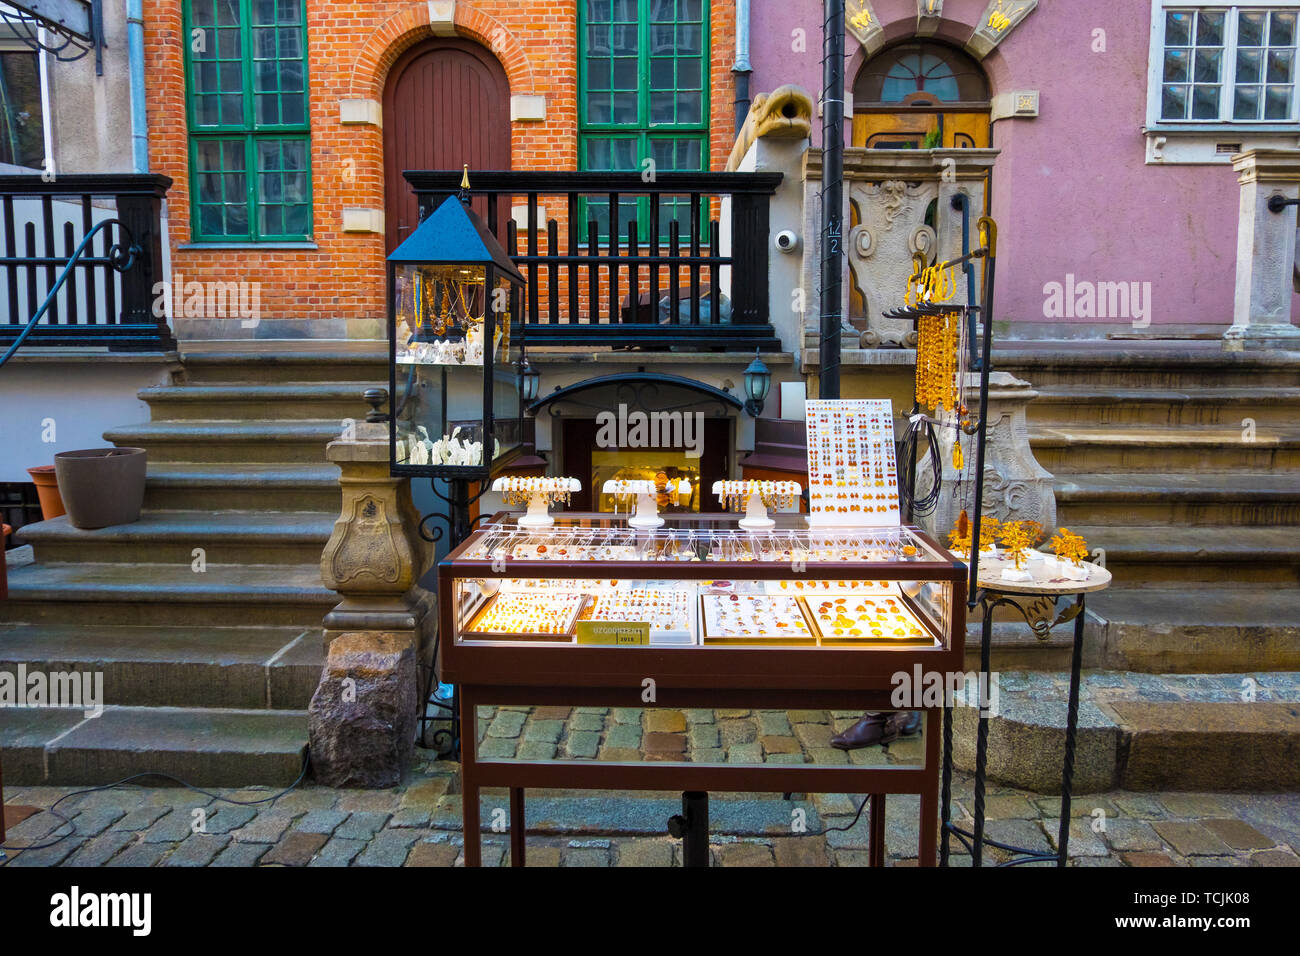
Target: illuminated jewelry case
<point x="455" y="367"/>
<point x="698" y="602"/>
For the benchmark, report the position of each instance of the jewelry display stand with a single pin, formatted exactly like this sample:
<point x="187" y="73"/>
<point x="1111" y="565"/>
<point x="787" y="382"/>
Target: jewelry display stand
<point x="756" y="497"/>
<point x="647" y="494"/>
<point x="540" y="493"/>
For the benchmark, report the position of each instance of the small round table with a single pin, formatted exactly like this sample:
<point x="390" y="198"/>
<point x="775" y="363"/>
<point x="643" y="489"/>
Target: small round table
<point x="1044" y="603"/>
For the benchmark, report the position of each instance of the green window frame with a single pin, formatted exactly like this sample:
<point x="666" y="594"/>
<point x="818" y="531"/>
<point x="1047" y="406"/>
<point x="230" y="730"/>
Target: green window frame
<point x="643" y="93"/>
<point x="247" y="107"/>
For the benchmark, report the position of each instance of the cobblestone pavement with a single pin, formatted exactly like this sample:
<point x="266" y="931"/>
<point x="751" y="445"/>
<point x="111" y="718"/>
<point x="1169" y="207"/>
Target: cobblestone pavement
<point x="418" y="823"/>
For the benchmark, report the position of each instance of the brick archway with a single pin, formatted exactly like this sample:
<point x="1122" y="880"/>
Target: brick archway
<point x="410" y="25"/>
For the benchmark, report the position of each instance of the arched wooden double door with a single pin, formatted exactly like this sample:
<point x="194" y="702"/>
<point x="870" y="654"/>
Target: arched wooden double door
<point x="446" y="103"/>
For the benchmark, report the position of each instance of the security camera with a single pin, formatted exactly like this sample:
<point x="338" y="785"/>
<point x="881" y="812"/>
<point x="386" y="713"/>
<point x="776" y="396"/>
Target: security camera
<point x="787" y="241"/>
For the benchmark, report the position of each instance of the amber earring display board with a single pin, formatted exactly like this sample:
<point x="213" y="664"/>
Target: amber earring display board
<point x="852" y="466"/>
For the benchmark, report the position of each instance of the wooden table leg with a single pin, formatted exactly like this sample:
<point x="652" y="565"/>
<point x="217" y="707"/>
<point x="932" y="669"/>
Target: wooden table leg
<point x="518" y="828"/>
<point x="876" y="839"/>
<point x="468" y="784"/>
<point x="930" y="793"/>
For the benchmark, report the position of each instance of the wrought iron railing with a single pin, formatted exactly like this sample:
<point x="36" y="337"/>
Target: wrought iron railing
<point x="103" y="301"/>
<point x="613" y="259"/>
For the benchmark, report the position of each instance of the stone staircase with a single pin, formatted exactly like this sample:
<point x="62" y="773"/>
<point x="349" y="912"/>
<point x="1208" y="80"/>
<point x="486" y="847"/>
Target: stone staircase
<point x="1182" y="464"/>
<point x="203" y="617"/>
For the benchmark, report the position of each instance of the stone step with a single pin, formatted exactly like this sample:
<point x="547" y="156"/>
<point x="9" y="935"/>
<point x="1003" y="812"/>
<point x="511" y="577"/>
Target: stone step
<point x="1226" y="407"/>
<point x="1147" y="365"/>
<point x="251" y="401"/>
<point x="171" y="537"/>
<point x="1199" y="628"/>
<point x="288" y="441"/>
<point x="216" y="362"/>
<point x="1232" y="628"/>
<point x="240" y="667"/>
<point x="1204" y="554"/>
<point x="249" y="487"/>
<point x="1164" y="498"/>
<point x="205" y="747"/>
<point x="1063" y="449"/>
<point x="168" y="594"/>
<point x="1144" y="732"/>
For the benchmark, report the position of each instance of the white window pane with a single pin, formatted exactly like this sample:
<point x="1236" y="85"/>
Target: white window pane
<point x="1246" y="103"/>
<point x="1209" y="28"/>
<point x="1205" y="102"/>
<point x="1280" y="64"/>
<point x="1250" y="29"/>
<point x="1249" y="63"/>
<point x="1174" y="103"/>
<point x="1277" y="103"/>
<point x="1178" y="28"/>
<point x="1207" y="66"/>
<point x="1282" y="29"/>
<point x="1176" y="66"/>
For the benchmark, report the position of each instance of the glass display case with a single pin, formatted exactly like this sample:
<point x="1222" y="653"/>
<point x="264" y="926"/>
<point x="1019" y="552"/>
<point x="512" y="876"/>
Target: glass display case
<point x="701" y="583"/>
<point x="456" y="364"/>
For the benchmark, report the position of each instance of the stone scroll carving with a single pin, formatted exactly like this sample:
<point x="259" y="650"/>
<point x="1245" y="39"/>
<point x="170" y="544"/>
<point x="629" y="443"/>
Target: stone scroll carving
<point x="902" y="203"/>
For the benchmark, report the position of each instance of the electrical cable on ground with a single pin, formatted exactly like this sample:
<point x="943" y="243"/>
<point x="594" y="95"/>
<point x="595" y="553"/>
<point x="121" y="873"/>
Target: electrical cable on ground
<point x="306" y="762"/>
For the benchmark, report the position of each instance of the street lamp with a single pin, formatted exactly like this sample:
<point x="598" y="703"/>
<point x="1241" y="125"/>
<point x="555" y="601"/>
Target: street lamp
<point x="530" y="381"/>
<point x="758" y="382"/>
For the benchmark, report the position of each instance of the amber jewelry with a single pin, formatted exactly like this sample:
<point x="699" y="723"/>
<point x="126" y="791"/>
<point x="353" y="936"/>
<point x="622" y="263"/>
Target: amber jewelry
<point x="936" y="361"/>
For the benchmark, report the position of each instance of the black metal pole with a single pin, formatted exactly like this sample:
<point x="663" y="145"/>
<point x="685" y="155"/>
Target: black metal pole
<point x="832" y="196"/>
<point x="691" y="826"/>
<point x="989" y="235"/>
<point x="1071" y="736"/>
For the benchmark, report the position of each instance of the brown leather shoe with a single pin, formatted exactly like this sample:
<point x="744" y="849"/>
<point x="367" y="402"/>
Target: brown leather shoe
<point x="878" y="728"/>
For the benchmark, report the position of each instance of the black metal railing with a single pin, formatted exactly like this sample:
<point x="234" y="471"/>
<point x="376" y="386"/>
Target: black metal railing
<point x="42" y="224"/>
<point x="688" y="282"/>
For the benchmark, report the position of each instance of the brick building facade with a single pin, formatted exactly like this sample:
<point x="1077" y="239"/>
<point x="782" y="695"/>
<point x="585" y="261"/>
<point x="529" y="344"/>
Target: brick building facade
<point x="336" y="271"/>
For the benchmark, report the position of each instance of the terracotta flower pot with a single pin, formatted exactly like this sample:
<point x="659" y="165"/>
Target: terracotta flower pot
<point x="47" y="490"/>
<point x="101" y="487"/>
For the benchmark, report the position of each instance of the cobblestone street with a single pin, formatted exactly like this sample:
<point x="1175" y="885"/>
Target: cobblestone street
<point x="418" y="824"/>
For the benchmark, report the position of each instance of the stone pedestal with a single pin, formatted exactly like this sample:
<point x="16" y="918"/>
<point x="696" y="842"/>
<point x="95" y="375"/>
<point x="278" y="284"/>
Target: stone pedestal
<point x="1266" y="251"/>
<point x="362" y="717"/>
<point x="374" y="556"/>
<point x="1016" y="487"/>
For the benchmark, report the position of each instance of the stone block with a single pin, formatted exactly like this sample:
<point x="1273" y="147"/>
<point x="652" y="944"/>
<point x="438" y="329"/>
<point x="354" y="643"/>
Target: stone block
<point x="1239" y="835"/>
<point x="295" y="849"/>
<point x="1191" y="839"/>
<point x="747" y="854"/>
<point x="362" y="718"/>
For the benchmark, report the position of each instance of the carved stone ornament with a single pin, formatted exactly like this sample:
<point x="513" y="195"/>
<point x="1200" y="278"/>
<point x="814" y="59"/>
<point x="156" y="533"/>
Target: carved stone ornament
<point x="891" y="217"/>
<point x="1016" y="486"/>
<point x="860" y="19"/>
<point x="889" y="193"/>
<point x="1000" y="17"/>
<point x="369" y="548"/>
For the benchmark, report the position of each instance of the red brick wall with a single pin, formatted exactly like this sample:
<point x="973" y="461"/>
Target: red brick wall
<point x="351" y="46"/>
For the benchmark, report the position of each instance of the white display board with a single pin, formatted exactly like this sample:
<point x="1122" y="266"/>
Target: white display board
<point x="852" y="465"/>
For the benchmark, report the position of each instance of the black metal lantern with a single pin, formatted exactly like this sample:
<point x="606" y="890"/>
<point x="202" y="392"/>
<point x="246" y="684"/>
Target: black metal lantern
<point x="530" y="380"/>
<point x="758" y="382"/>
<point x="453" y="356"/>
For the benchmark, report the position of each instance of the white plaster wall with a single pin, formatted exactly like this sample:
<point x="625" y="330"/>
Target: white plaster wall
<point x="81" y="399"/>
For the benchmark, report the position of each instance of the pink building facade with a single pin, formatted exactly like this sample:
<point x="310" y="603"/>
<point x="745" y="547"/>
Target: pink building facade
<point x="1099" y="180"/>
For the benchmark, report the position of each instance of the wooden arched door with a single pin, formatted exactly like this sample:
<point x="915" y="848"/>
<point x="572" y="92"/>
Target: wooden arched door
<point x="446" y="103"/>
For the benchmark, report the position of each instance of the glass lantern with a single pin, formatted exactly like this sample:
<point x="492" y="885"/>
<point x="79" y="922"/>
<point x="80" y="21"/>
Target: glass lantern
<point x="455" y="369"/>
